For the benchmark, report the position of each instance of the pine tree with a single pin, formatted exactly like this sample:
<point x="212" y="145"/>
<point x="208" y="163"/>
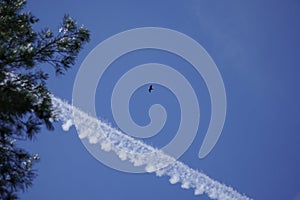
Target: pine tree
<point x="25" y="101"/>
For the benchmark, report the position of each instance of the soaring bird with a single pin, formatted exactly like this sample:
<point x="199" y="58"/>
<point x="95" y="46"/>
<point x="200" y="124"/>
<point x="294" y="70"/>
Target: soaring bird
<point x="150" y="88"/>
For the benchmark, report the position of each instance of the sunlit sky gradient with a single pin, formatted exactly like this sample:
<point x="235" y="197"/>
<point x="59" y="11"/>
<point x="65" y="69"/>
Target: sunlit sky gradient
<point x="255" y="45"/>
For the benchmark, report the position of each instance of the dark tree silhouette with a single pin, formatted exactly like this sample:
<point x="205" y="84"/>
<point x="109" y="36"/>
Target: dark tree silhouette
<point x="25" y="102"/>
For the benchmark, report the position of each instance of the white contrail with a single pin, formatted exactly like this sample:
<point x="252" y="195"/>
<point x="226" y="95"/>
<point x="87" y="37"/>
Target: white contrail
<point x="140" y="154"/>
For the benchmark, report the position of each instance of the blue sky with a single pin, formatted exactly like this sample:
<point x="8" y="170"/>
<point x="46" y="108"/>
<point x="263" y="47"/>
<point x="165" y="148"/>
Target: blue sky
<point x="255" y="45"/>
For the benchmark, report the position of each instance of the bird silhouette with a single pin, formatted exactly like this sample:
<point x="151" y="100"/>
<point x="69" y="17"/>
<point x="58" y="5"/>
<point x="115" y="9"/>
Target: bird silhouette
<point x="150" y="88"/>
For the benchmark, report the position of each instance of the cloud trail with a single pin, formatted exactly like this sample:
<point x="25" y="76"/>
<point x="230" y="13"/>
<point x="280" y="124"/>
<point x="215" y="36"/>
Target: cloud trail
<point x="141" y="154"/>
